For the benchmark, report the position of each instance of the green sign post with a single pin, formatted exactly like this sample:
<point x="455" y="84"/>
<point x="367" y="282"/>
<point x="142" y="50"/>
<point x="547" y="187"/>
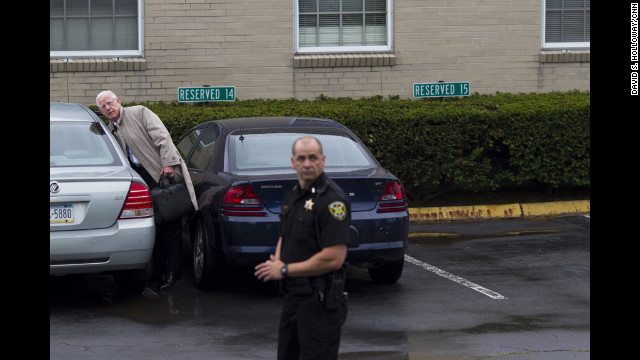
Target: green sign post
<point x="441" y="89"/>
<point x="206" y="93"/>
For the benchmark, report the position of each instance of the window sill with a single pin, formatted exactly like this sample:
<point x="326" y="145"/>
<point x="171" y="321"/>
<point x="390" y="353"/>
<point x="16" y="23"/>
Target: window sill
<point x="97" y="64"/>
<point x="565" y="56"/>
<point x="343" y="60"/>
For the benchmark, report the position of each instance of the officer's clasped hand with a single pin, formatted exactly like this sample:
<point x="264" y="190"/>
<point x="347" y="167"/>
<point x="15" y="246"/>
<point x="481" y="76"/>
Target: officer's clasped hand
<point x="269" y="270"/>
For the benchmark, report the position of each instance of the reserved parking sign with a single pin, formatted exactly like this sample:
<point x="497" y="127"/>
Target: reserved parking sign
<point x="206" y="93"/>
<point x="441" y="89"/>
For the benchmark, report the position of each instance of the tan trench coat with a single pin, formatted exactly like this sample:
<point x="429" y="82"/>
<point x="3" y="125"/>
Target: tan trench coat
<point x="151" y="143"/>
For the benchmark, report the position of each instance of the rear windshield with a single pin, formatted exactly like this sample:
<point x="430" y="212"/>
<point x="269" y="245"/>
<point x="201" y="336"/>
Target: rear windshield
<point x="83" y="143"/>
<point x="271" y="153"/>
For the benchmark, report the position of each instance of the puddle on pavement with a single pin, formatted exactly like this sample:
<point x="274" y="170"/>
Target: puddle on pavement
<point x="74" y="290"/>
<point x="375" y="355"/>
<point x="98" y="295"/>
<point x="513" y="324"/>
<point x="401" y="355"/>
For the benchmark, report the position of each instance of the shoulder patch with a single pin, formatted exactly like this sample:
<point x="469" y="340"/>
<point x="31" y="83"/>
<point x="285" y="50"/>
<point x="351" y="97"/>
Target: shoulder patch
<point x="338" y="210"/>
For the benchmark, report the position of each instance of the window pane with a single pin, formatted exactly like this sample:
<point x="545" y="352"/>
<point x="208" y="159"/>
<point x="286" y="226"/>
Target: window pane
<point x="352" y="5"/>
<point x="101" y="34"/>
<point x="56" y="8"/>
<point x="77" y="7"/>
<point x="103" y="8"/>
<point x="77" y="30"/>
<point x="307" y="30"/>
<point x="307" y="6"/>
<point x="553" y="27"/>
<point x="329" y="30"/>
<point x="126" y="7"/>
<point x="352" y="30"/>
<point x="126" y="33"/>
<point x="554" y="4"/>
<point x="56" y="35"/>
<point x="329" y="5"/>
<point x="376" y="29"/>
<point x="574" y="4"/>
<point x="375" y="5"/>
<point x="573" y="29"/>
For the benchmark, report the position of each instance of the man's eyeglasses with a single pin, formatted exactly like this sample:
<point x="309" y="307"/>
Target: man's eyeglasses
<point x="108" y="103"/>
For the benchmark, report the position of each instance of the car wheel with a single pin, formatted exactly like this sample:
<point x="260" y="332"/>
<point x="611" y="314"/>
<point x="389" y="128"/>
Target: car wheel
<point x="387" y="273"/>
<point x="206" y="270"/>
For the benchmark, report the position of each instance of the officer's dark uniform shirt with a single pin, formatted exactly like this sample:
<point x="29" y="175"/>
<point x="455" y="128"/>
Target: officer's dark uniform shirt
<point x="330" y="206"/>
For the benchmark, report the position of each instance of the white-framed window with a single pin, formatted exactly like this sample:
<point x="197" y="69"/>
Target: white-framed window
<point x="95" y="28"/>
<point x="342" y="26"/>
<point x="566" y="24"/>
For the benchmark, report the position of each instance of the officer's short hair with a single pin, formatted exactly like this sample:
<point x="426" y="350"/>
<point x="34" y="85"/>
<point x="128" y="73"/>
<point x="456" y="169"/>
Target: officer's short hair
<point x="306" y="137"/>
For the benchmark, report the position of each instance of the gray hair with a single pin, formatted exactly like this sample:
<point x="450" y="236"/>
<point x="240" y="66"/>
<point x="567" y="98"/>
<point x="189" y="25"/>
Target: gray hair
<point x="106" y="92"/>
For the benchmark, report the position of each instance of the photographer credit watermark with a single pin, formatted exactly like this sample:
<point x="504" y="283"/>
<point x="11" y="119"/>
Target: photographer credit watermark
<point x="634" y="48"/>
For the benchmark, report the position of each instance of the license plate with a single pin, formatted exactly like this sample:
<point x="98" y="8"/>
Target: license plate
<point x="61" y="214"/>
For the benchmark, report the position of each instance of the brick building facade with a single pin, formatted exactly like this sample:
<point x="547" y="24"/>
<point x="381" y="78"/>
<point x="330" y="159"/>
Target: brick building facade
<point x="493" y="44"/>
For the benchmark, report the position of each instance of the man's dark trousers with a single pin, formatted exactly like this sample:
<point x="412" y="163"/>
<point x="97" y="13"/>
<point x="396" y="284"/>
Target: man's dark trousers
<point x="166" y="251"/>
<point x="307" y="331"/>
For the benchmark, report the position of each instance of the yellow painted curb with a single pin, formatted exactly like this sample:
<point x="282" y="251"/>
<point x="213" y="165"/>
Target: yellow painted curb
<point x="465" y="212"/>
<point x="556" y="208"/>
<point x="502" y="211"/>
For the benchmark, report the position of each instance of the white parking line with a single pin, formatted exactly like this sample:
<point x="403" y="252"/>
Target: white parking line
<point x="458" y="279"/>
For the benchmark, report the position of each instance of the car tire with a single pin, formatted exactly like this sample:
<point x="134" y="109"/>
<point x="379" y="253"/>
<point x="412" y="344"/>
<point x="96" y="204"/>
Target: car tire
<point x="387" y="273"/>
<point x="206" y="269"/>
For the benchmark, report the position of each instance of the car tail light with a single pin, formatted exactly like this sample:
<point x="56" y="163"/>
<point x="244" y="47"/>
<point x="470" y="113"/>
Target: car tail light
<point x="393" y="198"/>
<point x="241" y="201"/>
<point x="138" y="202"/>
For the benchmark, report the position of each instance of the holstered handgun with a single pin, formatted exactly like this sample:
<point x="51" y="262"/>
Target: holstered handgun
<point x="331" y="288"/>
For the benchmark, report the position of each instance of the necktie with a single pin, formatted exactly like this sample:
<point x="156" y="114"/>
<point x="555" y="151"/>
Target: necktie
<point x="121" y="141"/>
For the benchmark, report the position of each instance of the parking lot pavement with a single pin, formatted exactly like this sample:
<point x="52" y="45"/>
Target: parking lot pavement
<point x="539" y="267"/>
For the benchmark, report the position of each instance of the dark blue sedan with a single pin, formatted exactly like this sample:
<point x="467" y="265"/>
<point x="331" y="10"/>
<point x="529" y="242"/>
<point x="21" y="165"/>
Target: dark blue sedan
<point x="241" y="169"/>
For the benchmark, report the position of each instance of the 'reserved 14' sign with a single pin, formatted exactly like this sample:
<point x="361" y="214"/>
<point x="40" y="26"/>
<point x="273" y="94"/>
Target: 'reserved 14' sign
<point x="206" y="93"/>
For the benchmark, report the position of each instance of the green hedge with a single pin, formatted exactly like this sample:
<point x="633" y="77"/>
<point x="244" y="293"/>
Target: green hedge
<point x="480" y="142"/>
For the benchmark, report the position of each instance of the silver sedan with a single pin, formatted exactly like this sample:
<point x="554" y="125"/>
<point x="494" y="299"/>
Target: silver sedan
<point x="101" y="214"/>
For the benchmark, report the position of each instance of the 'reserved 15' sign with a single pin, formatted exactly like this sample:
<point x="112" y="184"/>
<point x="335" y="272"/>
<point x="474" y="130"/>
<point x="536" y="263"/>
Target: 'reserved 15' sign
<point x="441" y="89"/>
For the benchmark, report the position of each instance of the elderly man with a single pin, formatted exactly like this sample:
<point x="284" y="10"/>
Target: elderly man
<point x="309" y="259"/>
<point x="151" y="152"/>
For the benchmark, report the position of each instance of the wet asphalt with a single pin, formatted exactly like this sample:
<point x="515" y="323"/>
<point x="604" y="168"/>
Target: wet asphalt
<point x="444" y="307"/>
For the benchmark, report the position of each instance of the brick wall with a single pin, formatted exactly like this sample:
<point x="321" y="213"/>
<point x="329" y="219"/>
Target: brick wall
<point x="493" y="44"/>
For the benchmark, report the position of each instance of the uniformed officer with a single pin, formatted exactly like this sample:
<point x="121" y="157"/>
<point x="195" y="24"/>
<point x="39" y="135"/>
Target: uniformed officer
<point x="309" y="259"/>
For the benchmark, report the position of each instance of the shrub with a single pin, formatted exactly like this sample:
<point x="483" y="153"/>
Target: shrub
<point x="474" y="143"/>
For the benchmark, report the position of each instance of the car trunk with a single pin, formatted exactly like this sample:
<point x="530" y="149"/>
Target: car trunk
<point x="363" y="188"/>
<point x="89" y="198"/>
